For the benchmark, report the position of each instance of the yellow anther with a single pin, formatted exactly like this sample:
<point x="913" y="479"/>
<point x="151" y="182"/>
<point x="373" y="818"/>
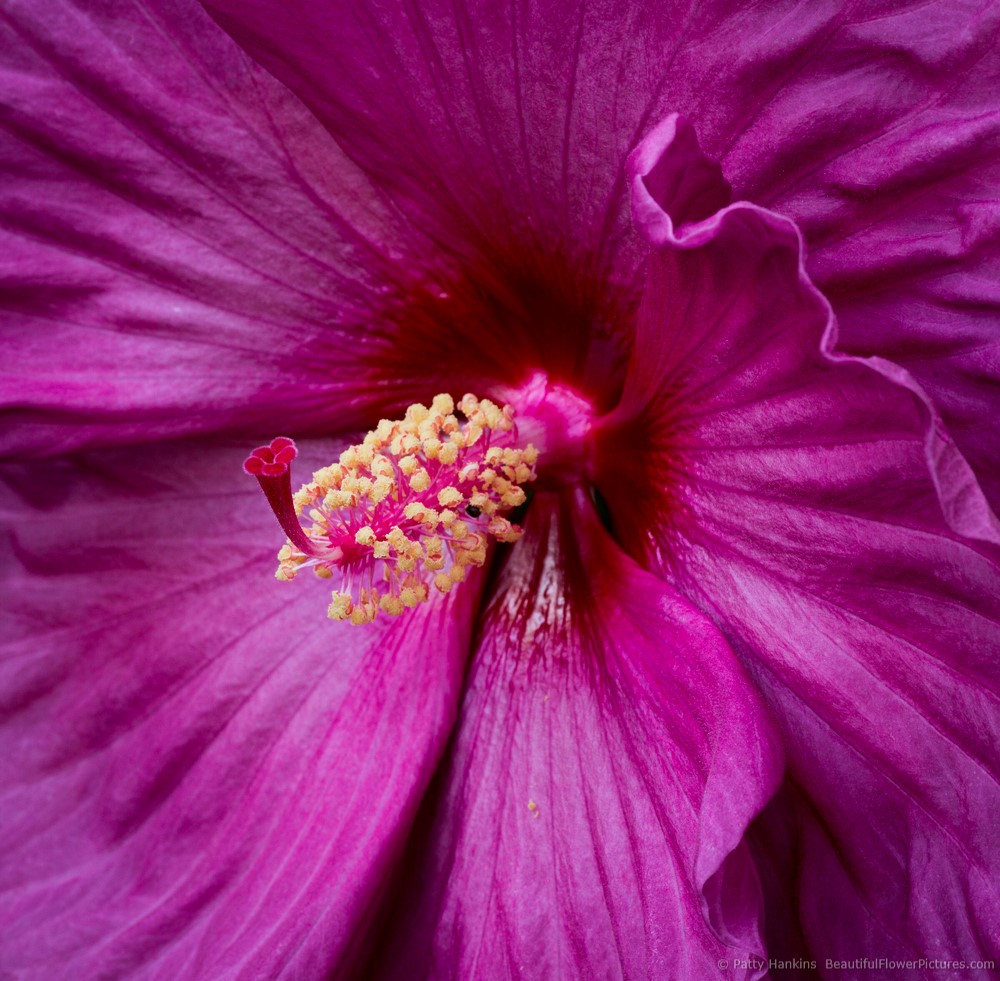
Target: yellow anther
<point x="283" y="574"/>
<point x="392" y="605"/>
<point x="448" y="454"/>
<point x="409" y="465"/>
<point x="380" y="550"/>
<point x="302" y="498"/>
<point x="381" y="489"/>
<point x="432" y="447"/>
<point x="365" y="536"/>
<point x="530" y="455"/>
<point x="433" y="563"/>
<point x="409" y="443"/>
<point x="493" y="456"/>
<point x="487" y="476"/>
<point x="420" y="481"/>
<point x="417" y="413"/>
<point x="365" y="454"/>
<point x="397" y="539"/>
<point x="491" y="411"/>
<point x="458" y="529"/>
<point x="443" y="582"/>
<point x="410" y="597"/>
<point x="340" y="607"/>
<point x="443" y="405"/>
<point x="457" y="573"/>
<point x="447" y="517"/>
<point x="515" y="497"/>
<point x="323" y="572"/>
<point x="337" y="499"/>
<point x="449" y="497"/>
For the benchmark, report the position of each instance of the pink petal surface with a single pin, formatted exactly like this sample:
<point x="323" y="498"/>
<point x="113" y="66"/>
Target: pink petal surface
<point x="873" y="124"/>
<point x="819" y="516"/>
<point x="609" y="757"/>
<point x="202" y="776"/>
<point x="182" y="246"/>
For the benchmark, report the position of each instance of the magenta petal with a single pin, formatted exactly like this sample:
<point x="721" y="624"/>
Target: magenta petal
<point x="820" y="515"/>
<point x="610" y="754"/>
<point x="184" y="247"/>
<point x="203" y="777"/>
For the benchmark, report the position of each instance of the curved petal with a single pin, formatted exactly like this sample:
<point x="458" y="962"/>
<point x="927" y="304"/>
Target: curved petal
<point x="819" y="517"/>
<point x="184" y="249"/>
<point x="608" y="759"/>
<point x="201" y="778"/>
<point x="893" y="184"/>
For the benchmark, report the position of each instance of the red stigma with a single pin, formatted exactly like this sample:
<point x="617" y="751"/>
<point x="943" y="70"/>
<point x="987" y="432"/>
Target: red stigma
<point x="271" y="465"/>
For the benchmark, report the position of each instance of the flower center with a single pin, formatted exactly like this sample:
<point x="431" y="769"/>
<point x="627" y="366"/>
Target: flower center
<point x="558" y="421"/>
<point x="408" y="509"/>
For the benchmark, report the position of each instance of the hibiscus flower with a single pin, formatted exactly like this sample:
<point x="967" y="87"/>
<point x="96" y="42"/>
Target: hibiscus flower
<point x="732" y="693"/>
